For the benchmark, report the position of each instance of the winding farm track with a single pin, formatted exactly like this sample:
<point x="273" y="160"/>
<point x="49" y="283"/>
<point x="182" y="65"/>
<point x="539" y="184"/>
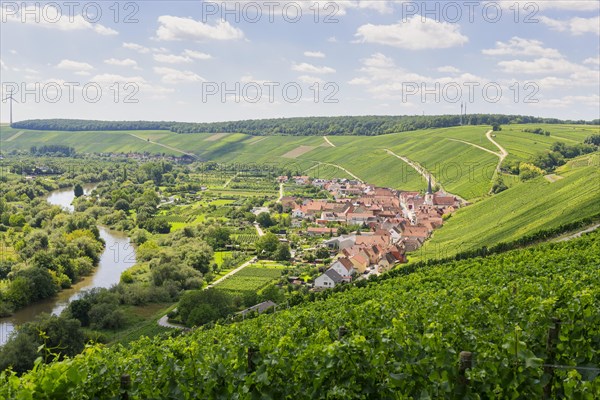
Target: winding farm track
<point x="164" y="320"/>
<point x="280" y="193"/>
<point x="503" y="152"/>
<point x="417" y="167"/>
<point x="328" y="141"/>
<point x="578" y="234"/>
<point x="336" y="166"/>
<point x="478" y="146"/>
<point x="164" y="145"/>
<point x="16" y="135"/>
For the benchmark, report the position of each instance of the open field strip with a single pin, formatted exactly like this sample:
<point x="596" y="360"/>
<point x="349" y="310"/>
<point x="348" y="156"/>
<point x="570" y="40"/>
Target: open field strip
<point x="257" y="141"/>
<point x="298" y="151"/>
<point x="216" y="136"/>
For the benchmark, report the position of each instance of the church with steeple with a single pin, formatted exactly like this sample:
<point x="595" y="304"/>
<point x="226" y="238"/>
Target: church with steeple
<point x="429" y="194"/>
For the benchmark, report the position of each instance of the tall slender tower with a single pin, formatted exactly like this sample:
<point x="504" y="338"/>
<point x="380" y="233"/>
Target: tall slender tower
<point x="429" y="194"/>
<point x="10" y="98"/>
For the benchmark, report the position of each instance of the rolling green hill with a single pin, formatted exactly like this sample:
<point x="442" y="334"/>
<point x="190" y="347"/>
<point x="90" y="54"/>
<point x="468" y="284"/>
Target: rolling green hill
<point x="397" y="338"/>
<point x="460" y="158"/>
<point x="521" y="210"/>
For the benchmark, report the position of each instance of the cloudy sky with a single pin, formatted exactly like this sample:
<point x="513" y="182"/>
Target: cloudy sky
<point x="215" y="61"/>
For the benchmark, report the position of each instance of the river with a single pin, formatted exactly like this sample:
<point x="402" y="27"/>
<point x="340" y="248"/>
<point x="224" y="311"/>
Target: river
<point x="118" y="255"/>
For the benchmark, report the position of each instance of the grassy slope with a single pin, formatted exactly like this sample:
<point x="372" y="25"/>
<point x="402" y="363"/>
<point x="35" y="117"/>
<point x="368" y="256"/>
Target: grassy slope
<point x="520" y="210"/>
<point x="460" y="167"/>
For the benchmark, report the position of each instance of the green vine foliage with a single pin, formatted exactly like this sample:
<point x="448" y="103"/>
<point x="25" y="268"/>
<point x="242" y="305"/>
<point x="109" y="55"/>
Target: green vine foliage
<point x="401" y="339"/>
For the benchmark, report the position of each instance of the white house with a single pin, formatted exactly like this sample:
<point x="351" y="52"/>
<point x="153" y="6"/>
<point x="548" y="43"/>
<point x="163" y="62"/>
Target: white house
<point x="329" y="279"/>
<point x="297" y="213"/>
<point x="344" y="267"/>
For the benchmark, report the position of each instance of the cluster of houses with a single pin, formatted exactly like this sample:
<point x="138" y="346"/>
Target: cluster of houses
<point x="390" y="222"/>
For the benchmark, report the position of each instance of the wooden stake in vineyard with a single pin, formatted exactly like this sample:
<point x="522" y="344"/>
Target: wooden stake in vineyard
<point x="553" y="332"/>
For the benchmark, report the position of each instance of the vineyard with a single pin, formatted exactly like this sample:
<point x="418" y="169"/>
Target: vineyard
<point x="520" y="325"/>
<point x="252" y="278"/>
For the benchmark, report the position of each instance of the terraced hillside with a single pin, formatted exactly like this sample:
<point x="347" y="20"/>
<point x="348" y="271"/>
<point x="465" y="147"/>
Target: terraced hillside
<point x="521" y="210"/>
<point x="529" y="320"/>
<point x="461" y="159"/>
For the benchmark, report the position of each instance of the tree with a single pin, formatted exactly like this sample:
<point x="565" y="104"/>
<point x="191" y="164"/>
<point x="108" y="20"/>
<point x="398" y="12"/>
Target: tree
<point x="267" y="244"/>
<point x="122" y="204"/>
<point x="496" y="127"/>
<point x="283" y="252"/>
<point x="593" y="139"/>
<point x="78" y="189"/>
<point x="217" y="237"/>
<point x="264" y="219"/>
<point x="198" y="307"/>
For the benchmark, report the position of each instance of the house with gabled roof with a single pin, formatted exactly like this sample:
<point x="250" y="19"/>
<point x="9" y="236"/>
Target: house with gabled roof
<point x="328" y="280"/>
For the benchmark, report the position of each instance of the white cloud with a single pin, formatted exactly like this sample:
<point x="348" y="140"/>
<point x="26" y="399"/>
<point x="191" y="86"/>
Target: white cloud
<point x="314" y="54"/>
<point x="576" y="26"/>
<point x="312" y="69"/>
<point x="540" y="66"/>
<point x="3" y="64"/>
<point x="171" y="59"/>
<point x="80" y="68"/>
<point x="517" y="46"/>
<point x="310" y="80"/>
<point x="144" y="87"/>
<point x="449" y="69"/>
<point x="174" y="76"/>
<point x="197" y="55"/>
<point x="176" y="28"/>
<point x="359" y="81"/>
<point x="251" y="79"/>
<point x="332" y="39"/>
<point x="592" y="61"/>
<point x="137" y="47"/>
<point x="51" y="17"/>
<point x="572" y="5"/>
<point x="127" y="62"/>
<point x="570" y="101"/>
<point x="413" y="34"/>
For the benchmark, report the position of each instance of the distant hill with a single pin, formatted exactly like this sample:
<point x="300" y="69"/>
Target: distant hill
<point x="307" y="126"/>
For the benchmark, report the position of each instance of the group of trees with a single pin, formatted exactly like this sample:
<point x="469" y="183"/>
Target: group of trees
<point x="559" y="153"/>
<point x="305" y="126"/>
<point x="52" y="149"/>
<point x="537" y="131"/>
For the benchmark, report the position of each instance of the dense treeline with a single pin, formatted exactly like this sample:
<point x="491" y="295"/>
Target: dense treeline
<point x="304" y="126"/>
<point x="89" y="125"/>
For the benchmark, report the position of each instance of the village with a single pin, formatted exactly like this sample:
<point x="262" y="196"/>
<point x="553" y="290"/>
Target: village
<point x="391" y="223"/>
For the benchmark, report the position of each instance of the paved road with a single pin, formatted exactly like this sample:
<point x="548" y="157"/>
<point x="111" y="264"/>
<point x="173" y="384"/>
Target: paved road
<point x="258" y="229"/>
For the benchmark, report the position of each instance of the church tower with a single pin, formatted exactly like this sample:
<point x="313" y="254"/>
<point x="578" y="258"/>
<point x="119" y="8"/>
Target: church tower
<point x="429" y="194"/>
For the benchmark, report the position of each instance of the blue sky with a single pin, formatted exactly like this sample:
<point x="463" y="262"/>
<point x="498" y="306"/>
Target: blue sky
<point x="194" y="61"/>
